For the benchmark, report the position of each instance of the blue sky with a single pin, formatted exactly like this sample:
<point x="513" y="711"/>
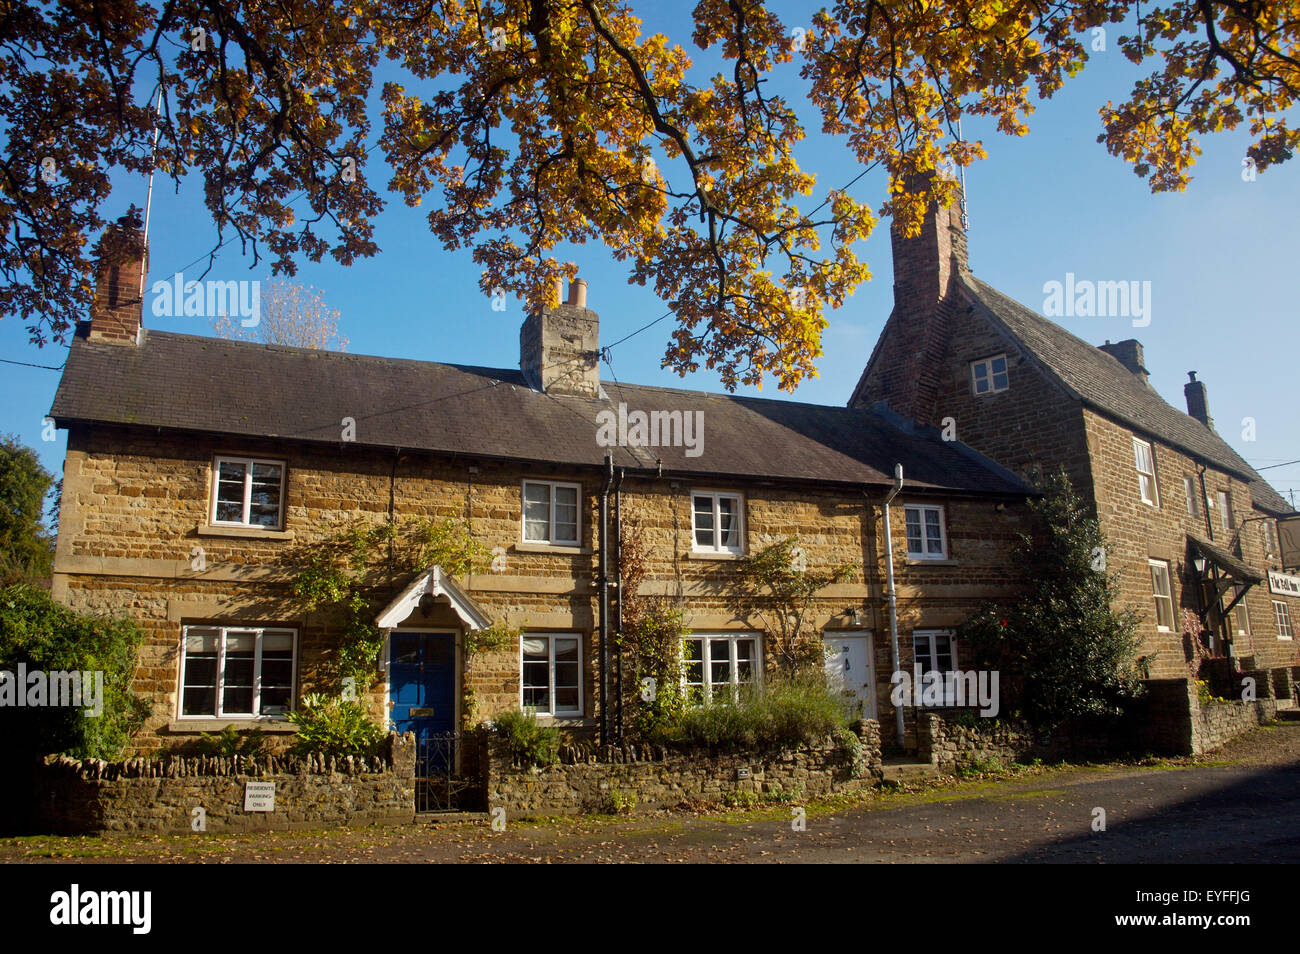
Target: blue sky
<point x="1221" y="259"/>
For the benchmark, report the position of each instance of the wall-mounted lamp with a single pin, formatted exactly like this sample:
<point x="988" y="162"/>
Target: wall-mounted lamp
<point x="1199" y="562"/>
<point x="855" y="614"/>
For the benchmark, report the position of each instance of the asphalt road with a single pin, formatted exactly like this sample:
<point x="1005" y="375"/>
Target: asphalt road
<point x="1239" y="805"/>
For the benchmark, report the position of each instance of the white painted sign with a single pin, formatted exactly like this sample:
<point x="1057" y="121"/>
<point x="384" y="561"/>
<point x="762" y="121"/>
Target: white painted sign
<point x="259" y="796"/>
<point x="1283" y="584"/>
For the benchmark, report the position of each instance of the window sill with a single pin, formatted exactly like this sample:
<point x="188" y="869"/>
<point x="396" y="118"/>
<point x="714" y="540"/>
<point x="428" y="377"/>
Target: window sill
<point x="566" y="721"/>
<point x="248" y="533"/>
<point x="194" y="726"/>
<point x="566" y="549"/>
<point x="711" y="555"/>
<point x="915" y="561"/>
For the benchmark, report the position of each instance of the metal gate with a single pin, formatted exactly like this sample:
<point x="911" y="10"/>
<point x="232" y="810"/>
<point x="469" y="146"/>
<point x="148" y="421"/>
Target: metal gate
<point x="446" y="773"/>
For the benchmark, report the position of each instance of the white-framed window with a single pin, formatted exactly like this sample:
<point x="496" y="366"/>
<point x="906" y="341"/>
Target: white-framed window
<point x="717" y="522"/>
<point x="936" y="649"/>
<point x="550" y="673"/>
<point x="1193" y="497"/>
<point x="1225" y="510"/>
<point x="1163" y="593"/>
<point x="1240" y="617"/>
<point x="1146" y="469"/>
<point x="551" y="512"/>
<point x="927" y="534"/>
<point x="247" y="492"/>
<point x="1282" y="616"/>
<point x="236" y="671"/>
<point x="989" y="375"/>
<point x="716" y="665"/>
<point x="1270" y="539"/>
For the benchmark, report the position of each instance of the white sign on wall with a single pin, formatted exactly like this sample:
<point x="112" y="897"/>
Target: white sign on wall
<point x="1283" y="584"/>
<point x="259" y="796"/>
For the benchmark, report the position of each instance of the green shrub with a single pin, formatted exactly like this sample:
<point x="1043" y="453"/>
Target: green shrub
<point x="787" y="712"/>
<point x="332" y="725"/>
<point x="783" y="796"/>
<point x="47" y="636"/>
<point x="529" y="742"/>
<point x="621" y="802"/>
<point x="983" y="766"/>
<point x="740" y="799"/>
<point x="251" y="743"/>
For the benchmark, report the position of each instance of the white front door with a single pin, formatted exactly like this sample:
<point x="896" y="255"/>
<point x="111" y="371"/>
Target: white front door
<point x="851" y="671"/>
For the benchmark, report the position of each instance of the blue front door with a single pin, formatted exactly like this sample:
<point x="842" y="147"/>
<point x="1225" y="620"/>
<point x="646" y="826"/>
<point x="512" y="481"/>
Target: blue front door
<point x="422" y="683"/>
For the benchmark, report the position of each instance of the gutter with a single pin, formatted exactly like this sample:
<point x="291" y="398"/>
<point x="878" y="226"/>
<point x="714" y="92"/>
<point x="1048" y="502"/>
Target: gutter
<point x="891" y="595"/>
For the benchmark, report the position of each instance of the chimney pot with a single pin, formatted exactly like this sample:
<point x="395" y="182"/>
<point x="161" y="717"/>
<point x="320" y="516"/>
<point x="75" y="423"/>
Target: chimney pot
<point x="558" y="298"/>
<point x="578" y="293"/>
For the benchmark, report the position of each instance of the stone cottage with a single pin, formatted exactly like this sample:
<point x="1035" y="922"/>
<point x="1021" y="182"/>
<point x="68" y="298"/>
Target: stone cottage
<point x="197" y="467"/>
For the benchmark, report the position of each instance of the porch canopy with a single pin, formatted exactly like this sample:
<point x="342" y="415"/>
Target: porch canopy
<point x="1235" y="571"/>
<point x="440" y="587"/>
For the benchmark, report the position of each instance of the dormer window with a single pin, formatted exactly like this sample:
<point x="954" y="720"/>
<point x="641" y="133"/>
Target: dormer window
<point x="989" y="375"/>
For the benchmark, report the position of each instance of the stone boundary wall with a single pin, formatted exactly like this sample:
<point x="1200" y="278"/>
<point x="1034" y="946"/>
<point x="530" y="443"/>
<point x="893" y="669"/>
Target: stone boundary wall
<point x="641" y="777"/>
<point x="1170" y="720"/>
<point x="160" y="794"/>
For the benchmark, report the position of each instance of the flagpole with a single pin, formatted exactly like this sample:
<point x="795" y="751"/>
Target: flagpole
<point x="148" y="200"/>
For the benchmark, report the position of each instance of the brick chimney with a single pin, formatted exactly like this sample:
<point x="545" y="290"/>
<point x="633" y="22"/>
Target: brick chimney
<point x="115" y="314"/>
<point x="559" y="347"/>
<point x="1198" y="402"/>
<point x="904" y="371"/>
<point x="1129" y="354"/>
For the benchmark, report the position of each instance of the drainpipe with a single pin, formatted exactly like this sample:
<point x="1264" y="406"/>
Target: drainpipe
<point x="602" y="582"/>
<point x="618" y="603"/>
<point x="1224" y="626"/>
<point x="891" y="595"/>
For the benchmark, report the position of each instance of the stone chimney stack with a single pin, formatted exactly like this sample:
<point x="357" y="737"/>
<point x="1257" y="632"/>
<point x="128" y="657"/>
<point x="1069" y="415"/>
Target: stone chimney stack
<point x="904" y="371"/>
<point x="1129" y="354"/>
<point x="1198" y="402"/>
<point x="559" y="347"/>
<point x="115" y="315"/>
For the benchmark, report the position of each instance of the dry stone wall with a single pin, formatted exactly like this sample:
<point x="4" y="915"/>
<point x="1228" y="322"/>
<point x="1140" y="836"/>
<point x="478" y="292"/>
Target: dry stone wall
<point x="162" y="795"/>
<point x="630" y="777"/>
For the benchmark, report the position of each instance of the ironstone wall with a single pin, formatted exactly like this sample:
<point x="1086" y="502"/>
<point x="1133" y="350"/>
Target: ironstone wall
<point x="591" y="779"/>
<point x="161" y="794"/>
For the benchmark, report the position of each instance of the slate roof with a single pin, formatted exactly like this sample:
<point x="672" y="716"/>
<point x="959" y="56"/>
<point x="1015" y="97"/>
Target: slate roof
<point x="212" y="385"/>
<point x="1102" y="382"/>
